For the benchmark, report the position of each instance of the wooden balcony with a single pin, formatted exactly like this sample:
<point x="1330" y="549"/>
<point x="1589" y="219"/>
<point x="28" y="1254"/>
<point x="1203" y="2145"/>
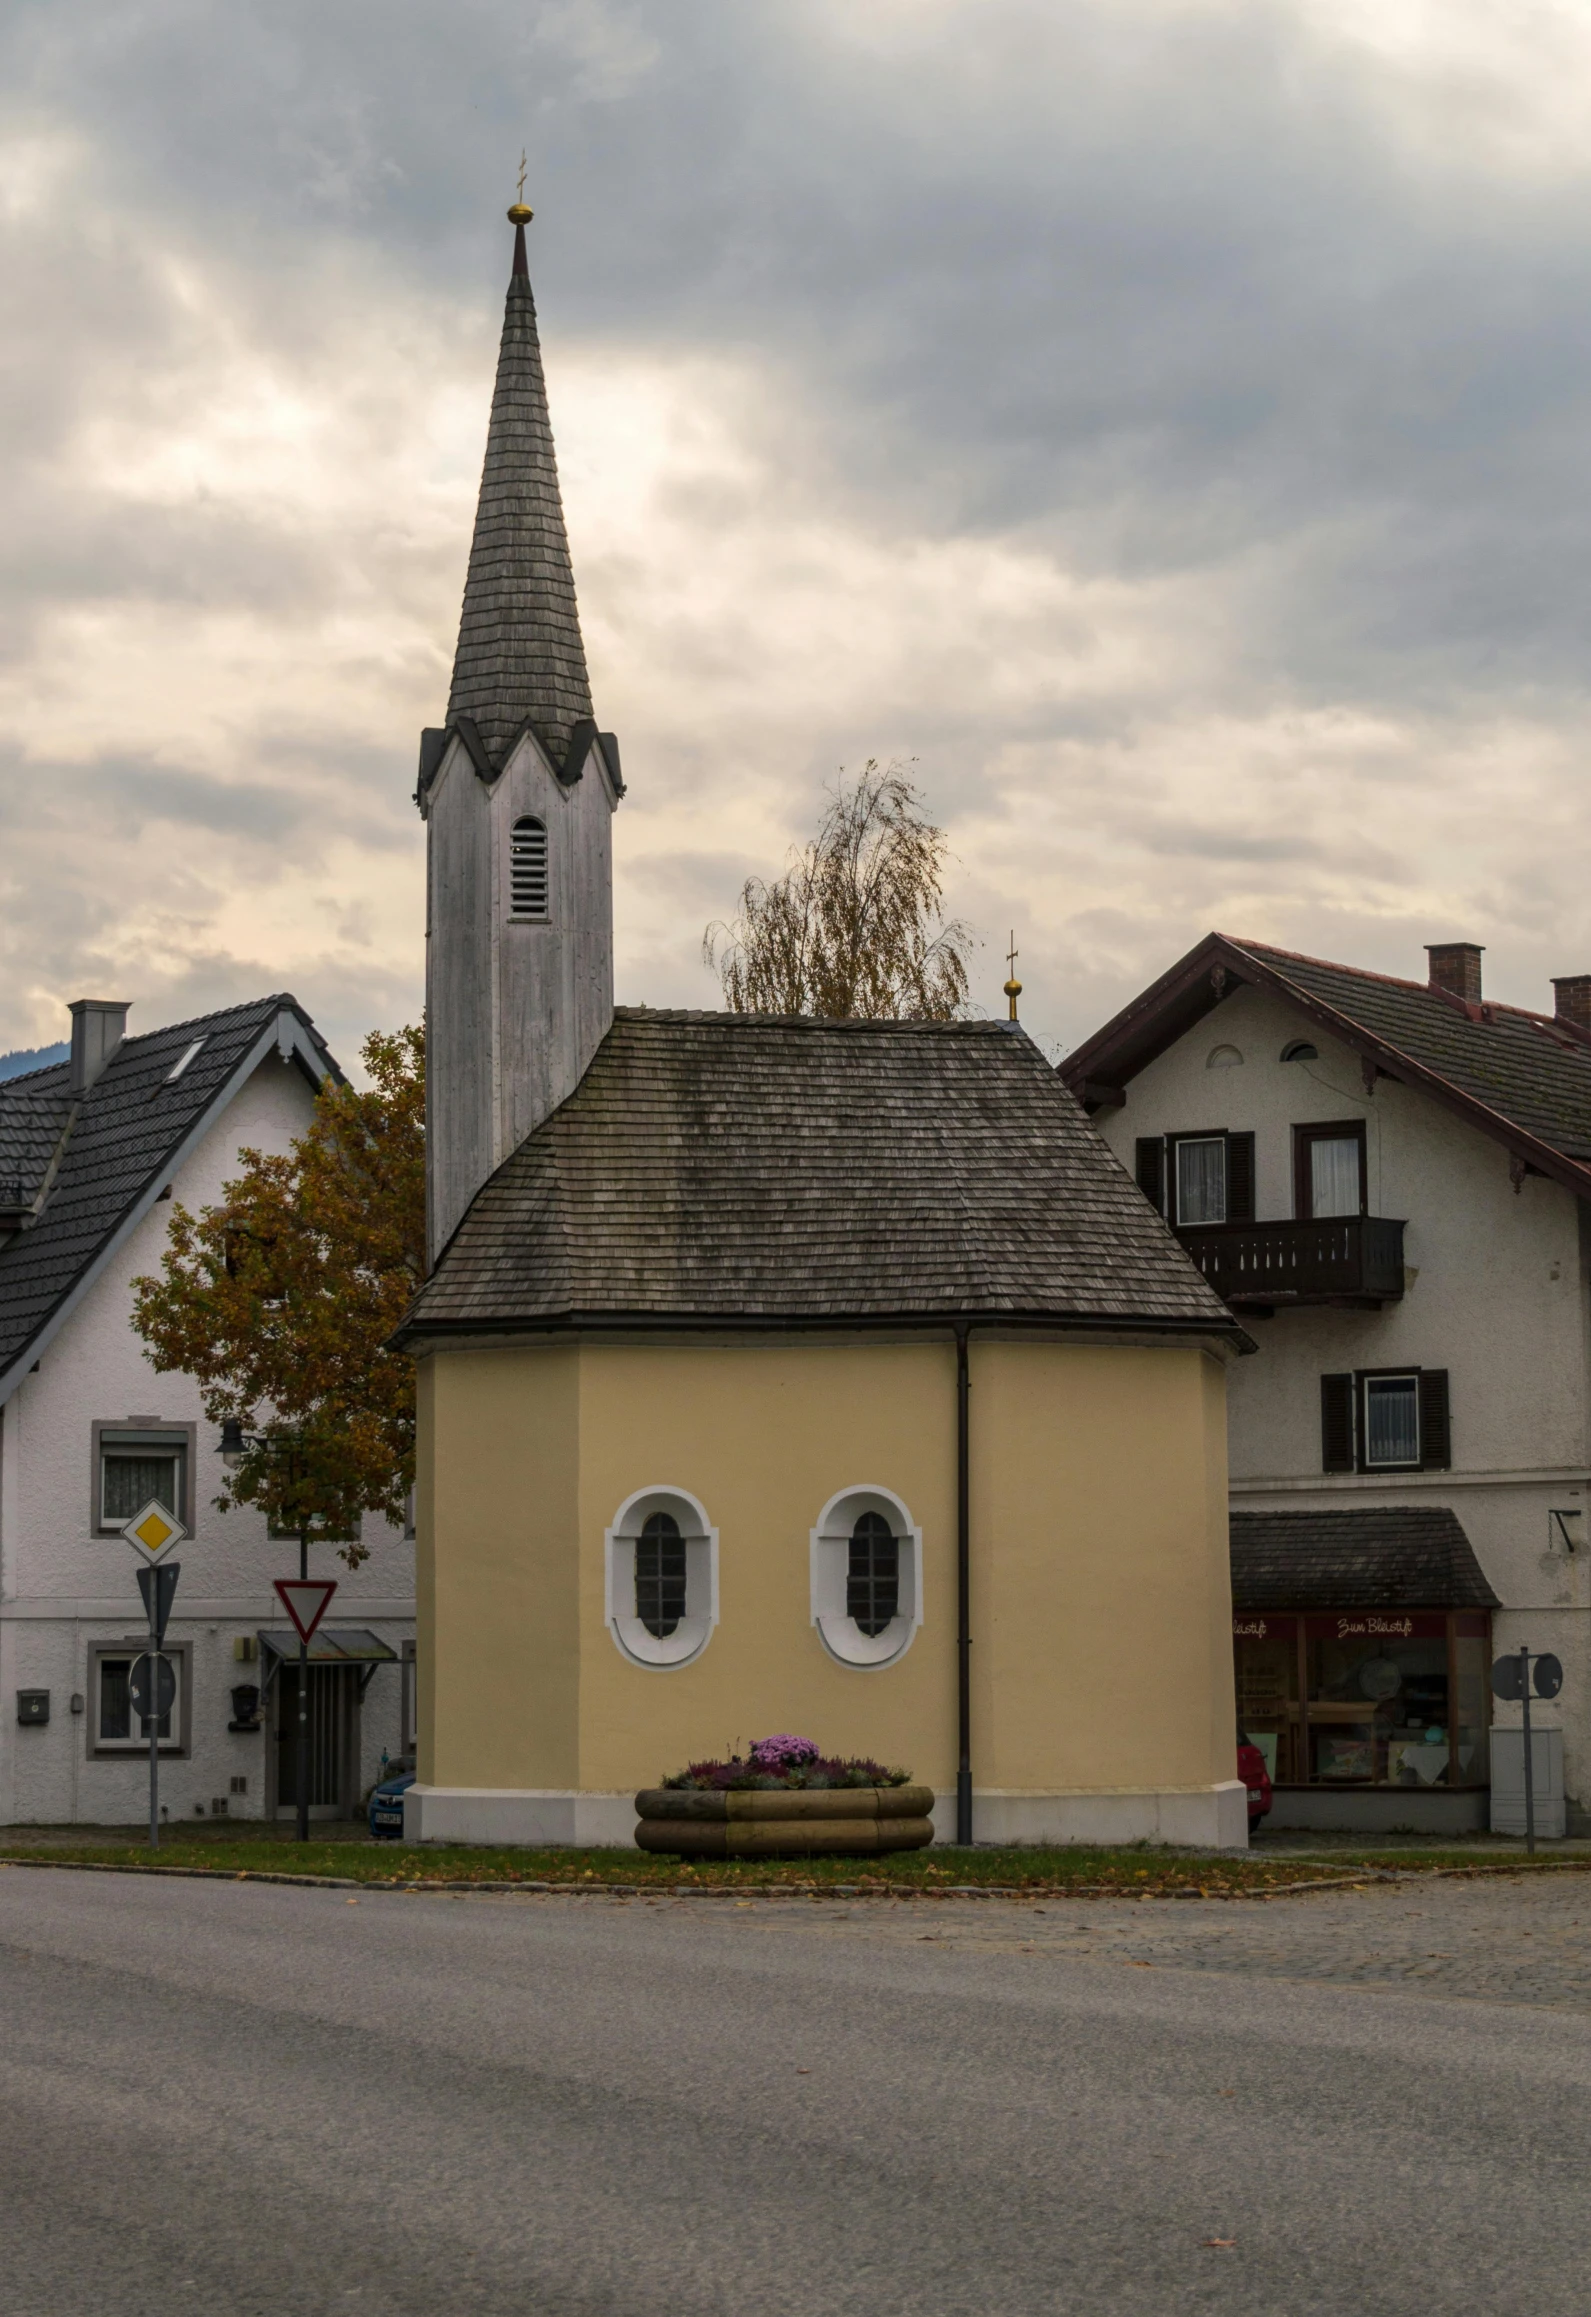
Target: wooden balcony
<point x="1346" y="1259"/>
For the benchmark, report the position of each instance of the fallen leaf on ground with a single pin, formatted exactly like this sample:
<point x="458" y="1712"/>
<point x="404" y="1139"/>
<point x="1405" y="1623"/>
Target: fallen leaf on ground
<point x="1225" y="2243"/>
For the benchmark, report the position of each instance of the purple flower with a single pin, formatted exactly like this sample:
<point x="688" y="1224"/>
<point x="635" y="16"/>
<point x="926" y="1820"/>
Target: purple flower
<point x="783" y="1752"/>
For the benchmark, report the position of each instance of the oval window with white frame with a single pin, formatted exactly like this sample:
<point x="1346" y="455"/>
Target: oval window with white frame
<point x="662" y="1577"/>
<point x="867" y="1588"/>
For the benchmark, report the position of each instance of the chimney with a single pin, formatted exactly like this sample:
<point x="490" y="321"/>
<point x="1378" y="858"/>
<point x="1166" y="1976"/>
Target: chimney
<point x="1456" y="969"/>
<point x="1571" y="1000"/>
<point x="98" y="1025"/>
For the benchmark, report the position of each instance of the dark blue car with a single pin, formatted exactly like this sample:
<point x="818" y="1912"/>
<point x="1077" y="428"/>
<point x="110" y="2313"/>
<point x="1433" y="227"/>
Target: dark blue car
<point x="386" y="1806"/>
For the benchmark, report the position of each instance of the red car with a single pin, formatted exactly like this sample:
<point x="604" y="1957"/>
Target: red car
<point x="1251" y="1769"/>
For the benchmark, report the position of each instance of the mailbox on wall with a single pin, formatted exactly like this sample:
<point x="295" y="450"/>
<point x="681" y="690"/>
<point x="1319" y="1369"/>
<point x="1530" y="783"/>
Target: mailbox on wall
<point x="33" y="1706"/>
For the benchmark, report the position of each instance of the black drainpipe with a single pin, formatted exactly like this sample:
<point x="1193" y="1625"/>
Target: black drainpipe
<point x="963" y="1593"/>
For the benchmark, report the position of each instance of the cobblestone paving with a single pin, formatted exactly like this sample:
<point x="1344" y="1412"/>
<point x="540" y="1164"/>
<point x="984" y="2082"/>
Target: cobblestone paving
<point x="1501" y="1939"/>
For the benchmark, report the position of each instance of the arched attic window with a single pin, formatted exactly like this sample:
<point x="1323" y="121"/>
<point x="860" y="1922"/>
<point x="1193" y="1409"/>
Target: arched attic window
<point x="527" y="871"/>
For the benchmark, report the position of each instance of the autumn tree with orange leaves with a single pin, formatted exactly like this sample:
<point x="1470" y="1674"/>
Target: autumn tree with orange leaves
<point x="283" y="1299"/>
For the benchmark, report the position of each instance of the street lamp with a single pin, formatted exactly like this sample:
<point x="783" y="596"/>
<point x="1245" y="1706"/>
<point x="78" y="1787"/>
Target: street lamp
<point x="284" y="1449"/>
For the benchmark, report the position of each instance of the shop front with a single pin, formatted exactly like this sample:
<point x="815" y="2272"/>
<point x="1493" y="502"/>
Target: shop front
<point x="1370" y="1716"/>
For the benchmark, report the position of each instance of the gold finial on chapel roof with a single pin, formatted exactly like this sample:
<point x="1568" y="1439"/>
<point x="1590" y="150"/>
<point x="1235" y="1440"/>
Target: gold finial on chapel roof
<point x="1013" y="988"/>
<point x="519" y="214"/>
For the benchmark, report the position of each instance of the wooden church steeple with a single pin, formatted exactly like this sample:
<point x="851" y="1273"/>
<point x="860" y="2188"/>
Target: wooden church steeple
<point x="518" y="789"/>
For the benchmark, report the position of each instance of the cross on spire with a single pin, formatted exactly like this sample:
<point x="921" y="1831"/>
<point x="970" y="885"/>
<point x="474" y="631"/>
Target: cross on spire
<point x="1013" y="988"/>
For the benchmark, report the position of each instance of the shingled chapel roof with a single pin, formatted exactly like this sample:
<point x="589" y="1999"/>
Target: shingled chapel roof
<point x="520" y="657"/>
<point x="745" y="1168"/>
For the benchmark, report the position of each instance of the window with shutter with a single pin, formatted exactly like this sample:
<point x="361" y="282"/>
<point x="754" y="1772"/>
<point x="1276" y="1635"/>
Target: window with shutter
<point x="1336" y="1424"/>
<point x="1389" y="1431"/>
<point x="527" y="870"/>
<point x="1436" y="1430"/>
<point x="1240" y="1178"/>
<point x="1152" y="1170"/>
<point x="1198" y="1181"/>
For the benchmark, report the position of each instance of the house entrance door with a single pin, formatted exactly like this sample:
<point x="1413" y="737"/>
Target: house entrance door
<point x="333" y="1753"/>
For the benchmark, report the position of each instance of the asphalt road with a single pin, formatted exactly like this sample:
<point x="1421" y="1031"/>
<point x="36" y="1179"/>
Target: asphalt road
<point x="237" y="2098"/>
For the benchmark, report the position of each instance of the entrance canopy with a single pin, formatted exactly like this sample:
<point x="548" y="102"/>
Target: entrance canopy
<point x="1374" y="1557"/>
<point x="349" y="1645"/>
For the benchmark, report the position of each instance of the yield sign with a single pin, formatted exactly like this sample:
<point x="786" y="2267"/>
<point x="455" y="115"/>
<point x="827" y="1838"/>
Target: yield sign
<point x="306" y="1600"/>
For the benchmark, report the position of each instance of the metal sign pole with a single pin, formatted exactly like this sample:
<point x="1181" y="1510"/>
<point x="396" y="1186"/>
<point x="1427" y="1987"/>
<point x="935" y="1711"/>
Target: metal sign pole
<point x="1530" y="1778"/>
<point x="152" y="1725"/>
<point x="303" y="1701"/>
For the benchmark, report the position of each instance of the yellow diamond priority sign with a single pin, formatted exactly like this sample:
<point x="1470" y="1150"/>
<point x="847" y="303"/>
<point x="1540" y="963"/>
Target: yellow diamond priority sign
<point x="153" y="1529"/>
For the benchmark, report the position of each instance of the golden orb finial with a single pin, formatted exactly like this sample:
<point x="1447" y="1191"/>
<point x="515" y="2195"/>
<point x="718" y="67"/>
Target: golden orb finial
<point x="1013" y="988"/>
<point x="519" y="214"/>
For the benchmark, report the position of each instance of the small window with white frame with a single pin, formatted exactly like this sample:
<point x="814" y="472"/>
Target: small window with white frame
<point x="866" y="1577"/>
<point x="1392" y="1422"/>
<point x="1200" y="1182"/>
<point x="115" y="1726"/>
<point x="135" y="1465"/>
<point x="662" y="1578"/>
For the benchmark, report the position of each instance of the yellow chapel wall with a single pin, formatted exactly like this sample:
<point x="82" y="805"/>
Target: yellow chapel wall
<point x="498" y="1586"/>
<point x="1102" y="1611"/>
<point x="764" y="1435"/>
<point x="1101" y="1604"/>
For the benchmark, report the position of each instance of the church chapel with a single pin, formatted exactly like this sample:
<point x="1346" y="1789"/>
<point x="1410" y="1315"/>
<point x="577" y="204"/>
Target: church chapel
<point x="774" y="1373"/>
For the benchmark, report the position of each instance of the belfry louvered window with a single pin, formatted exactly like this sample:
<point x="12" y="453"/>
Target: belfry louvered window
<point x="660" y="1574"/>
<point x="527" y="870"/>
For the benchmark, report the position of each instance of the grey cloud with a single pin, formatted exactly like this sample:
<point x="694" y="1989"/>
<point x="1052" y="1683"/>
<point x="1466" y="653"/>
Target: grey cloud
<point x="1165" y="295"/>
<point x="1162" y="289"/>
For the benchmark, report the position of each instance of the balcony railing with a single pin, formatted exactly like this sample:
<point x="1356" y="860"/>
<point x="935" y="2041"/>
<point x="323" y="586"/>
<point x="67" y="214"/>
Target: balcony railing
<point x="1341" y="1259"/>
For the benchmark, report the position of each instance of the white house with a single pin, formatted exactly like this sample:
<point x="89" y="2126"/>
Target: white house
<point x="1389" y="1182"/>
<point x="92" y="1150"/>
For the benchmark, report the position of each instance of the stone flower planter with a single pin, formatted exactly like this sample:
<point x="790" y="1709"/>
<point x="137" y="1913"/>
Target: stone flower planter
<point x="791" y="1822"/>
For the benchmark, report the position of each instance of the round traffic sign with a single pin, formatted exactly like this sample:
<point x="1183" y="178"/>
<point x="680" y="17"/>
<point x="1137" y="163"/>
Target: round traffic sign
<point x="1546" y="1676"/>
<point x="152" y="1686"/>
<point x="1505" y="1677"/>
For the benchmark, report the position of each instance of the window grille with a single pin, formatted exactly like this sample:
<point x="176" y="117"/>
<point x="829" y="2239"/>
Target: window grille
<point x="872" y="1577"/>
<point x="660" y="1575"/>
<point x="527" y="869"/>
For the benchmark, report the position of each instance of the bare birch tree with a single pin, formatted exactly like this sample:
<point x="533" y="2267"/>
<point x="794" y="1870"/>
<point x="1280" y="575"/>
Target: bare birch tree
<point x="856" y="926"/>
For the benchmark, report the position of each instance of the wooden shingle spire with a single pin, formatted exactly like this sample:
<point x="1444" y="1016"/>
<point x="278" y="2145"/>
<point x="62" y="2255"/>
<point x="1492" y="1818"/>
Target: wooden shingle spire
<point x="520" y="657"/>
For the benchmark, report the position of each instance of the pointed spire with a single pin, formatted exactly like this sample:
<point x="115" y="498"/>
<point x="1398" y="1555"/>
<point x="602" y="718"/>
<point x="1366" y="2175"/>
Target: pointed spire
<point x="520" y="657"/>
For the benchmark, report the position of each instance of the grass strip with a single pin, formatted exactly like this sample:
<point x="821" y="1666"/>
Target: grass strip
<point x="994" y="1873"/>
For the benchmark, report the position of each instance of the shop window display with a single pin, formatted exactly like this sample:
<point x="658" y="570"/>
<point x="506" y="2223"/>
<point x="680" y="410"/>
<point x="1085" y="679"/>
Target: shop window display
<point x="1366" y="1697"/>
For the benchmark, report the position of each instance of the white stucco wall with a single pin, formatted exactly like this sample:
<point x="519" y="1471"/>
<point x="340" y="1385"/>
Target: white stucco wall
<point x="1495" y="1292"/>
<point x="63" y="1588"/>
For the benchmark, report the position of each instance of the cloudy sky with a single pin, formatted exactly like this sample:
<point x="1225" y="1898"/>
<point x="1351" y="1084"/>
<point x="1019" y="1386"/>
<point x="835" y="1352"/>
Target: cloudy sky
<point x="1165" y="420"/>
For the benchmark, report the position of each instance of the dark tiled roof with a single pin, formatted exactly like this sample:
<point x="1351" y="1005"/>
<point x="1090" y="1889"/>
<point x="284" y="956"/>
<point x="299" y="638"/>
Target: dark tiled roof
<point x="1375" y="1557"/>
<point x="1524" y="1066"/>
<point x="740" y="1166"/>
<point x="520" y="656"/>
<point x="109" y="1148"/>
